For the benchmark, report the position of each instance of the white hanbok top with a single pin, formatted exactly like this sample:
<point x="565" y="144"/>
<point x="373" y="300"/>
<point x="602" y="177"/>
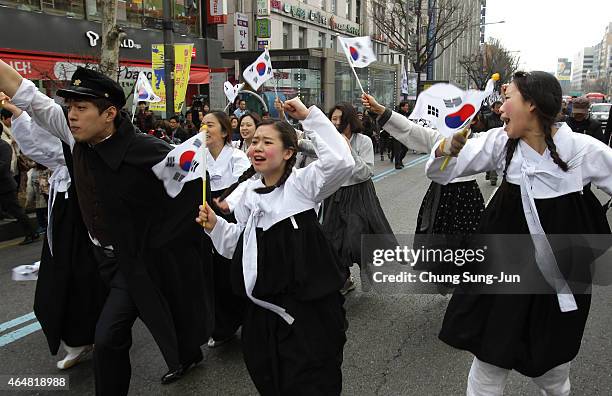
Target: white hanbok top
<point x="302" y="190"/>
<point x="227" y="168"/>
<point x="588" y="159"/>
<point x="46" y="149"/>
<point x="362" y="151"/>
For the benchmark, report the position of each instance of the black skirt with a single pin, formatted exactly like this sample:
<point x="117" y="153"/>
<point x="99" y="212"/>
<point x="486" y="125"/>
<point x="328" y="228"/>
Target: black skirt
<point x="229" y="307"/>
<point x="351" y="212"/>
<point x="527" y="333"/>
<point x="297" y="269"/>
<point x="447" y="217"/>
<point x="69" y="292"/>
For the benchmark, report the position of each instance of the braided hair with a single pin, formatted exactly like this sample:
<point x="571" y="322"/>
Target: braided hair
<point x="544" y="92"/>
<point x="289" y="138"/>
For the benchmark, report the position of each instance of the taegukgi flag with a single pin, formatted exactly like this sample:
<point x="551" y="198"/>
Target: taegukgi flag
<point x="183" y="164"/>
<point x="143" y="90"/>
<point x="358" y="50"/>
<point x="259" y="71"/>
<point x="449" y="108"/>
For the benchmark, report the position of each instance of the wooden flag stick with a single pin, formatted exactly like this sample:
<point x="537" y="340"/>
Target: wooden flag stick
<point x="204" y="132"/>
<point x="355" y="73"/>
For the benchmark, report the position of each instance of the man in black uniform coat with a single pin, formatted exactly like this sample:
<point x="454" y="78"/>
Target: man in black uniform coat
<point x="581" y="122"/>
<point x="152" y="255"/>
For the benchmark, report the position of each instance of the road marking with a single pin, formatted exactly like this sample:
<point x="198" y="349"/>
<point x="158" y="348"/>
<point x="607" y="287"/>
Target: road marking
<point x="33" y="327"/>
<point x="15" y="322"/>
<point x="392" y="171"/>
<point x="19" y="333"/>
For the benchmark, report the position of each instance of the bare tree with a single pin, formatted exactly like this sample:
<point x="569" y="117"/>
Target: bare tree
<point x="601" y="85"/>
<point x="420" y="29"/>
<point x="491" y="58"/>
<point x="112" y="35"/>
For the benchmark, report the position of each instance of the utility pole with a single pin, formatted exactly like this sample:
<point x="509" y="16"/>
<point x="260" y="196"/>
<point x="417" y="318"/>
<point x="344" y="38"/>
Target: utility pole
<point x="167" y="25"/>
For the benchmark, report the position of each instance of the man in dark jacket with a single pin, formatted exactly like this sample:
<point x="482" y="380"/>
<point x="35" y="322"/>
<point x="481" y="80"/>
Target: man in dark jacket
<point x="150" y="255"/>
<point x="8" y="193"/>
<point x="580" y="121"/>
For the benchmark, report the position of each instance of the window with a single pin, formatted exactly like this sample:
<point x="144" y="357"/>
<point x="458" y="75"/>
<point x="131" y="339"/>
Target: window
<point x="349" y="10"/>
<point x="334" y="6"/>
<point x="129" y="12"/>
<point x="322" y="40"/>
<point x="358" y="11"/>
<point x="70" y="8"/>
<point x="302" y="38"/>
<point x="286" y="35"/>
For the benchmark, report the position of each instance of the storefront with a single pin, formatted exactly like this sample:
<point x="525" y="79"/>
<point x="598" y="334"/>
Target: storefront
<point x="322" y="77"/>
<point x="51" y="57"/>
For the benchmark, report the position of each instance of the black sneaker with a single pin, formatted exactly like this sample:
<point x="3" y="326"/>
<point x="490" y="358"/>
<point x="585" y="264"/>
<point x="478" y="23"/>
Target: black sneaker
<point x="30" y="239"/>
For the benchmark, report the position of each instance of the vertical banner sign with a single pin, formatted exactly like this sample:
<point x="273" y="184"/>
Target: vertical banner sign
<point x="217" y="11"/>
<point x="263" y="7"/>
<point x="159" y="86"/>
<point x="182" y="66"/>
<point x="241" y="33"/>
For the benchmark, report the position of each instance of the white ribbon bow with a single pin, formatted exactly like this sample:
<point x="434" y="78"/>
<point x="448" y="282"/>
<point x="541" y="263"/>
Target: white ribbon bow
<point x="545" y="259"/>
<point x="249" y="259"/>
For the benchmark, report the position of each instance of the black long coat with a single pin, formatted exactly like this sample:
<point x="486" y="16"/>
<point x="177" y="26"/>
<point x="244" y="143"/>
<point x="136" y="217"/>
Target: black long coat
<point x="162" y="252"/>
<point x="69" y="292"/>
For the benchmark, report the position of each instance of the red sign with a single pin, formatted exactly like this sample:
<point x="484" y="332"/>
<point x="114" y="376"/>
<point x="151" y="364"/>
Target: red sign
<point x="217" y="11"/>
<point x="193" y="52"/>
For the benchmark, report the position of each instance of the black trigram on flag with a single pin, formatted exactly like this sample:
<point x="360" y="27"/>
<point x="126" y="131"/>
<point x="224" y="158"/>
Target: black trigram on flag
<point x="197" y="143"/>
<point x="433" y="111"/>
<point x="178" y="177"/>
<point x="454" y="102"/>
<point x="170" y="161"/>
<point x="194" y="166"/>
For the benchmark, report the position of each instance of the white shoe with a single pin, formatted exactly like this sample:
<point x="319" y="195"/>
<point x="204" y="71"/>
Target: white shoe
<point x="74" y="356"/>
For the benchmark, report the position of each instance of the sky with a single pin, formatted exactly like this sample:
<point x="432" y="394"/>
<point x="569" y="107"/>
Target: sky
<point x="544" y="30"/>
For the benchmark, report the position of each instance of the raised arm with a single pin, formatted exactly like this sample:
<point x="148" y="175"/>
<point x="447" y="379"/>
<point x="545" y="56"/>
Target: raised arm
<point x="9" y="79"/>
<point x="480" y="154"/>
<point x="410" y="134"/>
<point x="37" y="143"/>
<point x="323" y="177"/>
<point x="43" y="110"/>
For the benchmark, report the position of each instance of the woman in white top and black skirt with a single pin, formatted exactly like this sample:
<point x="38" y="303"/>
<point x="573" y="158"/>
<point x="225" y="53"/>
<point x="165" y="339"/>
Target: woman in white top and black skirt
<point x="448" y="214"/>
<point x="354" y="209"/>
<point x="547" y="169"/>
<point x="225" y="165"/>
<point x="293" y="332"/>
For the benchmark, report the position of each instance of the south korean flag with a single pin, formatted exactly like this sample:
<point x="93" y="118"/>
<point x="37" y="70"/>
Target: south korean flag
<point x="358" y="50"/>
<point x="183" y="164"/>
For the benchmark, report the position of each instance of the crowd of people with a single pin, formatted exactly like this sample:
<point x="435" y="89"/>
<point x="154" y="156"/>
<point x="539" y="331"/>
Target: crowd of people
<point x="288" y="200"/>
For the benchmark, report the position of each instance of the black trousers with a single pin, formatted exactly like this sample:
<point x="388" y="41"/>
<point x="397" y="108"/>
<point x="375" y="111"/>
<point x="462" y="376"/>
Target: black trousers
<point x="399" y="152"/>
<point x="8" y="202"/>
<point x="113" y="339"/>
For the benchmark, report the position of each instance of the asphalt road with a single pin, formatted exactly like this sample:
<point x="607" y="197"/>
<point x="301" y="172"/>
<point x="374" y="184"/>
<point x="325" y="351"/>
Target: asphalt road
<point x="392" y="346"/>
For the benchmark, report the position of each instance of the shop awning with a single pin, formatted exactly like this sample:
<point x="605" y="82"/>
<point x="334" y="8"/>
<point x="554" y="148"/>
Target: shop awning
<point x="199" y="76"/>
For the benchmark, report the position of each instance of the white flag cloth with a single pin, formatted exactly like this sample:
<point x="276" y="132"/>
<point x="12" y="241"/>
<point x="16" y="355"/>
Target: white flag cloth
<point x="449" y="108"/>
<point x="358" y="50"/>
<point x="404" y="86"/>
<point x="231" y="91"/>
<point x="143" y="90"/>
<point x="259" y="71"/>
<point x="184" y="163"/>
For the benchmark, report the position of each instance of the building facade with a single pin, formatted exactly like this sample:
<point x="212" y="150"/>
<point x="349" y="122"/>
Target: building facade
<point x="302" y="37"/>
<point x="49" y="39"/>
<point x="582" y="68"/>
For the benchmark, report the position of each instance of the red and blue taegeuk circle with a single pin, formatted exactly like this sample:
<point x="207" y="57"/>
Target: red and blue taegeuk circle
<point x="458" y="118"/>
<point x="261" y="68"/>
<point x="186" y="159"/>
<point x="354" y="53"/>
